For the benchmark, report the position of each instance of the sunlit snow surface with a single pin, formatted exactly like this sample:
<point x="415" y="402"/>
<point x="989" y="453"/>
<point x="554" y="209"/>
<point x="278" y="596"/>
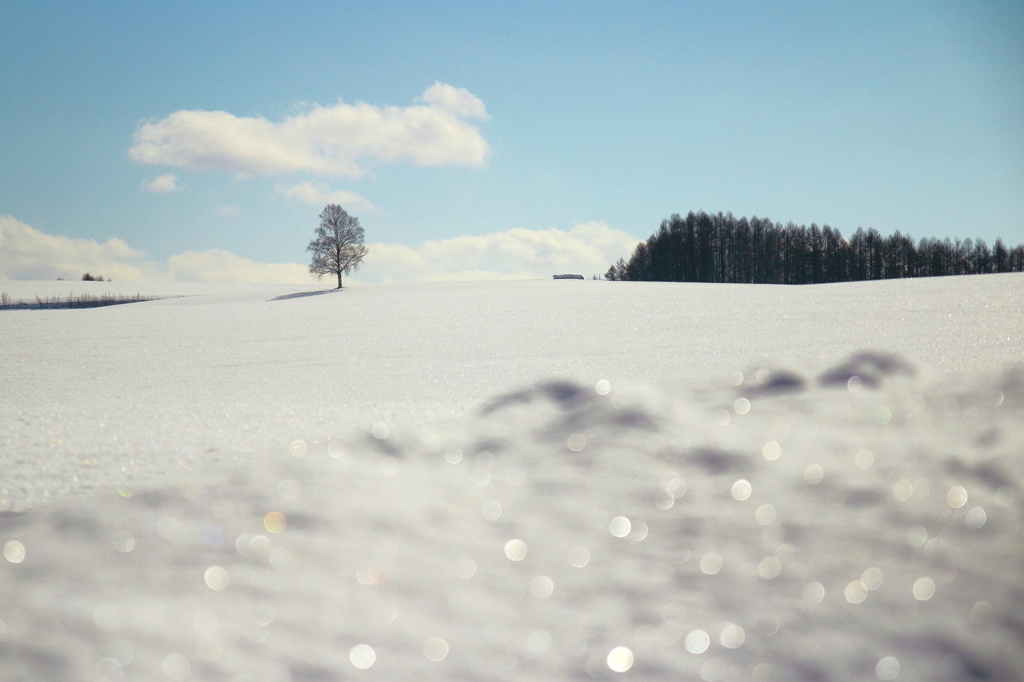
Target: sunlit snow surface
<point x="851" y="519"/>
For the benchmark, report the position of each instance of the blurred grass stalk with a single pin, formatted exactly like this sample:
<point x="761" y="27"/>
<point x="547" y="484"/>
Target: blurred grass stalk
<point x="71" y="301"/>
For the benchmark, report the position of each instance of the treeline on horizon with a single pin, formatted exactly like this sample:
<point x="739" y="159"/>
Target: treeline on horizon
<point x="722" y="248"/>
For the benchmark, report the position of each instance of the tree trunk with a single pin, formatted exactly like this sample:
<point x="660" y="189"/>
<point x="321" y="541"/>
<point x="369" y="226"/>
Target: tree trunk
<point x="339" y="279"/>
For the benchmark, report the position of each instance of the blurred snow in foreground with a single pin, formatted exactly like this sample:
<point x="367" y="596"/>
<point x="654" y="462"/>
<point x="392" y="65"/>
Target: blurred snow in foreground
<point x="853" y="522"/>
<point x="785" y="529"/>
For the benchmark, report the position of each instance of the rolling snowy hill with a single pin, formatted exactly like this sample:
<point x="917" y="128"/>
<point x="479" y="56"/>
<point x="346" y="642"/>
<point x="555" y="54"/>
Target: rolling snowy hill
<point x="515" y="481"/>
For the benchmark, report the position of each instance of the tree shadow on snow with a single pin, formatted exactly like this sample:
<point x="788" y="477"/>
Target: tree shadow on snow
<point x="304" y="294"/>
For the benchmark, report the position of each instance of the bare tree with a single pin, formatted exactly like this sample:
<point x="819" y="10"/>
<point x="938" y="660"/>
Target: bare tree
<point x="338" y="245"/>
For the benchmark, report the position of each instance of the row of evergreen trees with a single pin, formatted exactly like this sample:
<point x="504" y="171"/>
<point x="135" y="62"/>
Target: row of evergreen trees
<point x="722" y="248"/>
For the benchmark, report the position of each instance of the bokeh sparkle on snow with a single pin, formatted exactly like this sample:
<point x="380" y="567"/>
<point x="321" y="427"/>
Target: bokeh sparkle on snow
<point x="399" y="555"/>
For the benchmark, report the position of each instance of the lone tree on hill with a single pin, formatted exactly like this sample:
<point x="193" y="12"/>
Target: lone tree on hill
<point x="338" y="245"/>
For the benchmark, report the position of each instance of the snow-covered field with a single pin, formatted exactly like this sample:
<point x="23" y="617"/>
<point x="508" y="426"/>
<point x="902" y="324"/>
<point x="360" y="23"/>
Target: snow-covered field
<point x="514" y="481"/>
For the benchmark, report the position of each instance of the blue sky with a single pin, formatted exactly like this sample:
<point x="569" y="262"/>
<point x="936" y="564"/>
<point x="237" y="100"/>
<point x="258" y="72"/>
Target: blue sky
<point x="590" y="115"/>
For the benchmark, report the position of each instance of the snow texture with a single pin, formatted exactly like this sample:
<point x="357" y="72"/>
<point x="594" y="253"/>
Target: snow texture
<point x="516" y="481"/>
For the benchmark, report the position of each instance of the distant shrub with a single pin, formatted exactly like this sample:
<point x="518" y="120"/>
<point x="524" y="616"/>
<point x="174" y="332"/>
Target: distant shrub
<point x="89" y="278"/>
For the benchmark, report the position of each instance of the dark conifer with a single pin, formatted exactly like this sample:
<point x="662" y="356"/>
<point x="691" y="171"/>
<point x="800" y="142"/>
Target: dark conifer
<point x="722" y="248"/>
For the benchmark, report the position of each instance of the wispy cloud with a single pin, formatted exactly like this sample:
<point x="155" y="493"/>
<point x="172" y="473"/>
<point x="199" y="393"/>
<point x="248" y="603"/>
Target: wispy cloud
<point x="321" y="194"/>
<point x="325" y="141"/>
<point x="586" y="249"/>
<point x="230" y="209"/>
<point x="164" y="183"/>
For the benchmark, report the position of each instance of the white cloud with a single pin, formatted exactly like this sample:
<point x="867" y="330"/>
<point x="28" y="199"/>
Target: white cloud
<point x="321" y="194"/>
<point x="27" y="253"/>
<point x="164" y="183"/>
<point x="230" y="209"/>
<point x="218" y="265"/>
<point x="458" y="101"/>
<point x="325" y="140"/>
<point x="586" y="249"/>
